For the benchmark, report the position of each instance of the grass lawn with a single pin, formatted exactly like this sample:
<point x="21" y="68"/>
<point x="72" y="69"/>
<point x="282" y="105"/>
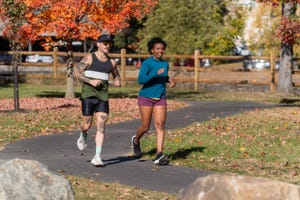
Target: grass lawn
<point x="262" y="142"/>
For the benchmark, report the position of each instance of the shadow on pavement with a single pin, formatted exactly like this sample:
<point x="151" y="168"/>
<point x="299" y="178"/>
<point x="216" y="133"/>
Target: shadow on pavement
<point x="119" y="159"/>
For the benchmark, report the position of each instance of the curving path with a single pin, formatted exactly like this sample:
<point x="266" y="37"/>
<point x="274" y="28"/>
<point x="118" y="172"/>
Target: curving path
<point x="59" y="152"/>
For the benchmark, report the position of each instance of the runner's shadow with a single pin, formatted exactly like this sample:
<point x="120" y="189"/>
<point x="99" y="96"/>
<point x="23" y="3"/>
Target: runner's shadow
<point x="151" y="152"/>
<point x="119" y="159"/>
<point x="183" y="153"/>
<point x="180" y="153"/>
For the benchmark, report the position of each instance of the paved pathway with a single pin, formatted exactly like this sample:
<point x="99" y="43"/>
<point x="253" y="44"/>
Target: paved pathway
<point x="59" y="152"/>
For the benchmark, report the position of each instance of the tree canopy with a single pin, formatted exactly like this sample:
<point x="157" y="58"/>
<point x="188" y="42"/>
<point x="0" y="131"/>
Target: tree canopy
<point x="289" y="28"/>
<point x="12" y="13"/>
<point x="186" y="25"/>
<point x="262" y="28"/>
<point x="80" y="19"/>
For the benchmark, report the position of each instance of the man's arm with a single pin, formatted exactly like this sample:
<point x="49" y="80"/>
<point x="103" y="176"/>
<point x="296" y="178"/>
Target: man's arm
<point x="115" y="73"/>
<point x="79" y="70"/>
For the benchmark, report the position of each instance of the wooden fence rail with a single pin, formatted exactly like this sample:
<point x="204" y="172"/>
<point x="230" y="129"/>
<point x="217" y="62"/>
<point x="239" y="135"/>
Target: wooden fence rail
<point x="230" y="73"/>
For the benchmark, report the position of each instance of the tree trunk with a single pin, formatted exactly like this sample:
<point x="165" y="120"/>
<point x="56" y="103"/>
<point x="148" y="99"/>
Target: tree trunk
<point x="16" y="83"/>
<point x="285" y="84"/>
<point x="70" y="78"/>
<point x="15" y="76"/>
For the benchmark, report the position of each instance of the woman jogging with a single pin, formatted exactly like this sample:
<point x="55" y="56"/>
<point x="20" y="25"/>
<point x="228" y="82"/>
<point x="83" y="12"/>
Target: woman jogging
<point x="152" y="98"/>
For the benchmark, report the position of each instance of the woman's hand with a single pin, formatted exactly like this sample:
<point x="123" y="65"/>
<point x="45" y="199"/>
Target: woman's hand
<point x="172" y="82"/>
<point x="160" y="71"/>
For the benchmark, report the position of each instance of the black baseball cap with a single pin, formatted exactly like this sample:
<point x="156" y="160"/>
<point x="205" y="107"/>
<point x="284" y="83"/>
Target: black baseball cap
<point x="104" y="37"/>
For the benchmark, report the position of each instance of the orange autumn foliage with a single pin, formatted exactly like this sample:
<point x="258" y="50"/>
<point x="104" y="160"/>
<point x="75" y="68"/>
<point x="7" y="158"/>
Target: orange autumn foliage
<point x="79" y="19"/>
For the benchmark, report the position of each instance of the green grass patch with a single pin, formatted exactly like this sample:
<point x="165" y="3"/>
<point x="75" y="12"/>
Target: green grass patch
<point x="260" y="143"/>
<point x="90" y="189"/>
<point x="42" y="91"/>
<point x="265" y="97"/>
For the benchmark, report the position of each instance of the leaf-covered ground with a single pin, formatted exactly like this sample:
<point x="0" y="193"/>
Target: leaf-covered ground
<point x="43" y="116"/>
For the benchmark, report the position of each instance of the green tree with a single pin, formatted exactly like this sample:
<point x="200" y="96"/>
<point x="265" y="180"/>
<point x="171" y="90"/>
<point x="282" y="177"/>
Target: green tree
<point x="265" y="21"/>
<point x="186" y="25"/>
<point x="127" y="38"/>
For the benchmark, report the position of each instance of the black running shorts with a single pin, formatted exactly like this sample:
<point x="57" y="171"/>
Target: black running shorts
<point x="92" y="105"/>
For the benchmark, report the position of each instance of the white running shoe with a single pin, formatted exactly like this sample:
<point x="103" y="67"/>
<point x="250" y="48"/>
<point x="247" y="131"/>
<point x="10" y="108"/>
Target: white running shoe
<point x="81" y="143"/>
<point x="97" y="162"/>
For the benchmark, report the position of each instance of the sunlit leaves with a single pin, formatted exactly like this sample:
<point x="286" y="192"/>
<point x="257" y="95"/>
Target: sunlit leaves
<point x="289" y="30"/>
<point x="209" y="25"/>
<point x="289" y="27"/>
<point x="77" y="19"/>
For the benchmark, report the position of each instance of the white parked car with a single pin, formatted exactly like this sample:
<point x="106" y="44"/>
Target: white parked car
<point x="39" y="58"/>
<point x="256" y="64"/>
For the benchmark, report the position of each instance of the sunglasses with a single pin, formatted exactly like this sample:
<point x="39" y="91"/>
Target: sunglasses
<point x="106" y="43"/>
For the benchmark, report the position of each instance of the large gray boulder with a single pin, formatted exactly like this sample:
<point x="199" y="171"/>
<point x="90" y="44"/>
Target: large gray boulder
<point x="28" y="179"/>
<point x="227" y="187"/>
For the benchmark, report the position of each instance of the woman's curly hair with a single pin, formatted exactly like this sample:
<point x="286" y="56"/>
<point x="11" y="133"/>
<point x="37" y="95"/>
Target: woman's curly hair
<point x="154" y="41"/>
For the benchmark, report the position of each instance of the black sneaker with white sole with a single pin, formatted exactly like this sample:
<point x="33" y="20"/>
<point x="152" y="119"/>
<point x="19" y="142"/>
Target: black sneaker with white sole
<point x="136" y="147"/>
<point x="161" y="159"/>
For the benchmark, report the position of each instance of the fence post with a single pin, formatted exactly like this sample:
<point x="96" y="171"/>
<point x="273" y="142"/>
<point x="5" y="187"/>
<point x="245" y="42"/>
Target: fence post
<point x="123" y="66"/>
<point x="272" y="75"/>
<point x="55" y="73"/>
<point x="196" y="68"/>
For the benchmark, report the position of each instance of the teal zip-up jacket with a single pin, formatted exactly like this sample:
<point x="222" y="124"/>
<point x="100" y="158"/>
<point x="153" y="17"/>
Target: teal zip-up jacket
<point x="154" y="85"/>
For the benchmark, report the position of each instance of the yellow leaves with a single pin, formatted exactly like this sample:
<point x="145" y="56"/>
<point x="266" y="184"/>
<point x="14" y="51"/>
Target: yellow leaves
<point x="244" y="152"/>
<point x="242" y="149"/>
<point x="178" y="140"/>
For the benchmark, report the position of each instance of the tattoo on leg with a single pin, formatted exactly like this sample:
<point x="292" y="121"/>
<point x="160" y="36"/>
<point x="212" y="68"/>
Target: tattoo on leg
<point x="103" y="117"/>
<point x="100" y="127"/>
<point x="87" y="120"/>
<point x="101" y="124"/>
<point x="86" y="123"/>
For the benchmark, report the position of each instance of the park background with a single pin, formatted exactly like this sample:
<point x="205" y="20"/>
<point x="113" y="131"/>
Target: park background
<point x="241" y="144"/>
<point x="213" y="29"/>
